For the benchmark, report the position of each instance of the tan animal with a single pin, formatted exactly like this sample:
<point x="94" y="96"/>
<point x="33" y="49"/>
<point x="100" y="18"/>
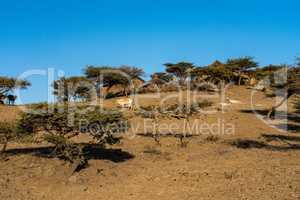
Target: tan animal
<point x="125" y="103"/>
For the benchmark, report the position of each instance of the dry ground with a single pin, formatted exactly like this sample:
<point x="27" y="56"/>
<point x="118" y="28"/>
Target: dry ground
<point x="256" y="162"/>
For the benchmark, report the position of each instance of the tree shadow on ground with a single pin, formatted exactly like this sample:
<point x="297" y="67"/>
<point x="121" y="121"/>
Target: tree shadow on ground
<point x="90" y="152"/>
<point x="176" y="135"/>
<point x="284" y="140"/>
<point x="293" y="128"/>
<point x="264" y="112"/>
<point x="293" y="119"/>
<point x="276" y="137"/>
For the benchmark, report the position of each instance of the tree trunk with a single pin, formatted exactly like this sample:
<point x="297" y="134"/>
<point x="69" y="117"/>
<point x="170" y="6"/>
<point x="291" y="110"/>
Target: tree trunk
<point x="240" y="79"/>
<point x="125" y="91"/>
<point x="107" y="91"/>
<point x="4" y="145"/>
<point x="271" y="113"/>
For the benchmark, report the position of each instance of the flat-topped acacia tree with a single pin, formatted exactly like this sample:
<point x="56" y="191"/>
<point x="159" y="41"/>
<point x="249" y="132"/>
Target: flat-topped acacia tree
<point x="74" y="87"/>
<point x="160" y="78"/>
<point x="8" y="84"/>
<point x="240" y="65"/>
<point x="110" y="76"/>
<point x="181" y="70"/>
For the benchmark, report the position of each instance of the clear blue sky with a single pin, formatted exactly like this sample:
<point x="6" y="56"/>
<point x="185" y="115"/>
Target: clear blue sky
<point x="68" y="35"/>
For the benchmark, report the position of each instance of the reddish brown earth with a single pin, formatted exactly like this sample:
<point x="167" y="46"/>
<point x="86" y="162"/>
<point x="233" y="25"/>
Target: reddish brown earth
<point x="264" y="164"/>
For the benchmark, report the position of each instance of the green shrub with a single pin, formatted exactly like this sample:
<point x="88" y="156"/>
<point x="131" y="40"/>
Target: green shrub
<point x="63" y="120"/>
<point x="59" y="123"/>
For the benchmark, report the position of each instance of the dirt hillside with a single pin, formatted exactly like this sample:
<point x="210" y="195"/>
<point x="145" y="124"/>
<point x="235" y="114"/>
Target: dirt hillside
<point x="259" y="160"/>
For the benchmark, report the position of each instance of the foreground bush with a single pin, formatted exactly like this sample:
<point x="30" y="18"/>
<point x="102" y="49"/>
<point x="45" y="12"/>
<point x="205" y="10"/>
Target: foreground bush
<point x="60" y="123"/>
<point x="7" y="133"/>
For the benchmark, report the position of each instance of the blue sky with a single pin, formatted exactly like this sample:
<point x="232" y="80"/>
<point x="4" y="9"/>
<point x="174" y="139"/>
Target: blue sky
<point x="68" y="35"/>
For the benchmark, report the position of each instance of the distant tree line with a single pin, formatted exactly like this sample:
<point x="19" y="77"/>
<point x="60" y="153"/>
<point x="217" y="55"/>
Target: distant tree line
<point x="240" y="71"/>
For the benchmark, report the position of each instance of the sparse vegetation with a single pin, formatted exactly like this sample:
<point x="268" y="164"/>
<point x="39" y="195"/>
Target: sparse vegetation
<point x="62" y="123"/>
<point x="212" y="138"/>
<point x="175" y="111"/>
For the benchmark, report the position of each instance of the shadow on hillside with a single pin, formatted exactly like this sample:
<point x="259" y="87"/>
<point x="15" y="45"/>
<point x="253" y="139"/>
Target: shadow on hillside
<point x="285" y="143"/>
<point x="279" y="114"/>
<point x="292" y="119"/>
<point x="275" y="137"/>
<point x="90" y="151"/>
<point x="293" y="128"/>
<point x="176" y="135"/>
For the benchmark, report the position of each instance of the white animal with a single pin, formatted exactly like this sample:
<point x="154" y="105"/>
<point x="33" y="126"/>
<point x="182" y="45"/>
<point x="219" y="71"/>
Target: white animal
<point x="232" y="101"/>
<point x="125" y="103"/>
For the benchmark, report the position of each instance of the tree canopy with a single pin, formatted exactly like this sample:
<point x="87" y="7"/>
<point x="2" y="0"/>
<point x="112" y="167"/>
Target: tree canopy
<point x="132" y="72"/>
<point x="181" y="70"/>
<point x="161" y="78"/>
<point x="110" y="76"/>
<point x="76" y="87"/>
<point x="241" y="64"/>
<point x="8" y="84"/>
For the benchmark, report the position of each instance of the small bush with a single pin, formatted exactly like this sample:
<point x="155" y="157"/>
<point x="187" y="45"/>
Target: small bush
<point x="65" y="149"/>
<point x="175" y="111"/>
<point x="188" y="109"/>
<point x="212" y="138"/>
<point x="148" y="111"/>
<point x="7" y="133"/>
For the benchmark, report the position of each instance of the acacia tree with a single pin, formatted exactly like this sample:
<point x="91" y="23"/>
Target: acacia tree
<point x="268" y="71"/>
<point x="75" y="87"/>
<point x="297" y="104"/>
<point x="239" y="66"/>
<point x="106" y="77"/>
<point x="291" y="85"/>
<point x="160" y="78"/>
<point x="214" y="73"/>
<point x="110" y="76"/>
<point x="8" y="84"/>
<point x="180" y="70"/>
<point x="132" y="73"/>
